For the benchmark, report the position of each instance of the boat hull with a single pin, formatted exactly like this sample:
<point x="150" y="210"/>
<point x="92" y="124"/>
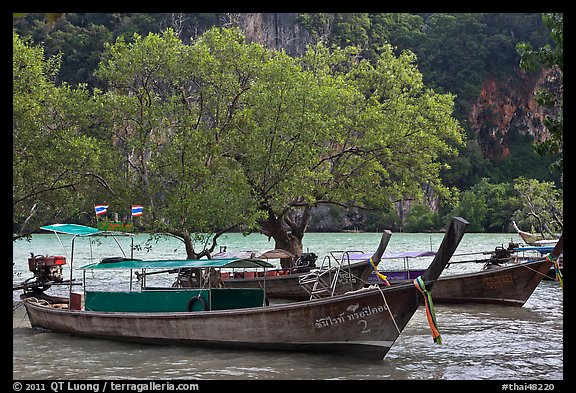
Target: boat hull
<point x="364" y="324"/>
<point x="510" y="285"/>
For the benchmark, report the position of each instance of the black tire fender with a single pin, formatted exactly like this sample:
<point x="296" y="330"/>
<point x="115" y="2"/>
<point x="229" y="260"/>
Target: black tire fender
<point x="193" y="300"/>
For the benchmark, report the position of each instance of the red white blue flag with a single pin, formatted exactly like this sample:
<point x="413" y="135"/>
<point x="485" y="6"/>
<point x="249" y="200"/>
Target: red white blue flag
<point x="100" y="209"/>
<point x="137" y="210"/>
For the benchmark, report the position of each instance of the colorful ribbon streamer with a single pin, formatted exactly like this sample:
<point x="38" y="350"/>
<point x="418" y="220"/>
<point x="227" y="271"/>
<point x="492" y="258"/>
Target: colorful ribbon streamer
<point x="380" y="275"/>
<point x="559" y="276"/>
<point x="430" y="314"/>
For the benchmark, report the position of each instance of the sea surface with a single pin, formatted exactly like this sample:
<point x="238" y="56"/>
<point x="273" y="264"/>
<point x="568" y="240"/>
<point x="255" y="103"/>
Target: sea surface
<point x="479" y="342"/>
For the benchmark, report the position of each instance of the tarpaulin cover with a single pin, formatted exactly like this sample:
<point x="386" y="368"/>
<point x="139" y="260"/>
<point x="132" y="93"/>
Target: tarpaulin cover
<point x="174" y="300"/>
<point x="393" y="255"/>
<point x="179" y="263"/>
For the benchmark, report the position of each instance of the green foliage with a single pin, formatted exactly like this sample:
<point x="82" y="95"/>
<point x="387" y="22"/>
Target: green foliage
<point x="223" y="133"/>
<point x="499" y="201"/>
<point x="456" y="52"/>
<point x="421" y="219"/>
<point x="170" y="105"/>
<point x="216" y="132"/>
<point x="466" y="169"/>
<point x="55" y="157"/>
<point x="547" y="55"/>
<point x="378" y="220"/>
<point x="523" y="159"/>
<point x="491" y="207"/>
<point x="542" y="206"/>
<point x="474" y="208"/>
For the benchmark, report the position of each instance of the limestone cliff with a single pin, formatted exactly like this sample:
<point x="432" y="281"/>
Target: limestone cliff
<point x="273" y="30"/>
<point x="506" y="105"/>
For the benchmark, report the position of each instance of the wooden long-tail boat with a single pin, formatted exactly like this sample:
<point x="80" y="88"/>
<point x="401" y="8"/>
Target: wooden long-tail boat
<point x="363" y="323"/>
<point x="507" y="285"/>
<point x="510" y="285"/>
<point x="532" y="239"/>
<point x="286" y="283"/>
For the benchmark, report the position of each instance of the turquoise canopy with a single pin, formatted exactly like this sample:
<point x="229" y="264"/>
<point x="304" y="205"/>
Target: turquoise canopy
<point x="124" y="263"/>
<point x="71" y="229"/>
<point x="82" y="230"/>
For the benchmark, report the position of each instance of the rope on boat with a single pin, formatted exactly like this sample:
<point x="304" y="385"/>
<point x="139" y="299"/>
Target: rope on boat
<point x="14" y="308"/>
<point x="394" y="321"/>
<point x="559" y="276"/>
<point x="430" y="313"/>
<point x="381" y="276"/>
<point x="549" y="257"/>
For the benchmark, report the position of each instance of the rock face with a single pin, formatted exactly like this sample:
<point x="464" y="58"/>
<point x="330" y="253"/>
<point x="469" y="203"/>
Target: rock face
<point x="275" y="31"/>
<point x="505" y="106"/>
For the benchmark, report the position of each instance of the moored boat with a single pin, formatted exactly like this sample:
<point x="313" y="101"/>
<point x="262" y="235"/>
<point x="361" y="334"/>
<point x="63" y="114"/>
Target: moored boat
<point x="363" y="323"/>
<point x="531" y="253"/>
<point x="510" y="285"/>
<point x="507" y="281"/>
<point x="284" y="284"/>
<point x="350" y="275"/>
<point x="532" y="239"/>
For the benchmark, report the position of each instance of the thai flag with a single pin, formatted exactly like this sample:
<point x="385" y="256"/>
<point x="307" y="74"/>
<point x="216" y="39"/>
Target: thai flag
<point x="100" y="209"/>
<point x="137" y="210"/>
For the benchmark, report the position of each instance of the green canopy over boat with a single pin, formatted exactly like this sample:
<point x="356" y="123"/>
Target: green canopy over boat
<point x="127" y="263"/>
<point x="72" y="229"/>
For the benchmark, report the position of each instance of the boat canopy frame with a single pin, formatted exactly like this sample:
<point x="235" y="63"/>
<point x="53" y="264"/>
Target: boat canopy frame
<point x="129" y="263"/>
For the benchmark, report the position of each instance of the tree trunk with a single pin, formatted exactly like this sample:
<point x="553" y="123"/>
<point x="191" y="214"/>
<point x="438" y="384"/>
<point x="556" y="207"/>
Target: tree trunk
<point x="191" y="253"/>
<point x="291" y="243"/>
<point x="188" y="244"/>
<point x="185" y="237"/>
<point x="287" y="231"/>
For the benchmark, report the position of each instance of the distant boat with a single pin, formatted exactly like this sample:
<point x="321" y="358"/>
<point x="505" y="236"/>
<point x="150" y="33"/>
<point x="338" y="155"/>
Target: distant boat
<point x="510" y="285"/>
<point x="532" y="239"/>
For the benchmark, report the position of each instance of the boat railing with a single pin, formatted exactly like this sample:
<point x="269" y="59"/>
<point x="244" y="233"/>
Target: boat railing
<point x="323" y="281"/>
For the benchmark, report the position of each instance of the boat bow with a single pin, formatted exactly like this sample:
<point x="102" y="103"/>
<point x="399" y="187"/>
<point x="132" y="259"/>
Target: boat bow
<point x="558" y="248"/>
<point x="377" y="256"/>
<point x="451" y="240"/>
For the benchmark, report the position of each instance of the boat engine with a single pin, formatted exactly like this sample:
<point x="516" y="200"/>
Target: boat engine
<point x="47" y="272"/>
<point x="306" y="261"/>
<point x="501" y="256"/>
<point x="46" y="268"/>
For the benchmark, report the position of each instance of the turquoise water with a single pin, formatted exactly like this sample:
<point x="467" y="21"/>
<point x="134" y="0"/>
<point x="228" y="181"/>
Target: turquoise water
<point x="480" y="342"/>
<point x="88" y="251"/>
